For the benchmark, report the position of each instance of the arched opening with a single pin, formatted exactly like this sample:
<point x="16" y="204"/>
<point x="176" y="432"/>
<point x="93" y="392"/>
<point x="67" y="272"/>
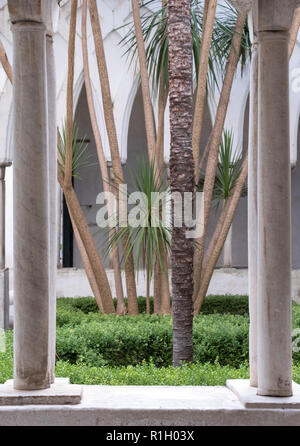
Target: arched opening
<point x="89" y="185"/>
<point x="137" y="151"/>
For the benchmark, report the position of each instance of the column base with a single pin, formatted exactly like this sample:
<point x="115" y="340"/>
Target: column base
<point x="251" y="400"/>
<point x="60" y="393"/>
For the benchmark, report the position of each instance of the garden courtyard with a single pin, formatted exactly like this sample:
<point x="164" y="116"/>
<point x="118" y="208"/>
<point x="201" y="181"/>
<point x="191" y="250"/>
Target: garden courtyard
<point x="149" y="148"/>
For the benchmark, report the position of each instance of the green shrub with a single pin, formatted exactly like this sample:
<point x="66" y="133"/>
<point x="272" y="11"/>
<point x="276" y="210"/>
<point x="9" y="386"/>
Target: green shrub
<point x="111" y="340"/>
<point x="212" y="304"/>
<point x="7" y="359"/>
<point x="121" y="341"/>
<point x="150" y="375"/>
<point x="93" y="348"/>
<point x="225" y="304"/>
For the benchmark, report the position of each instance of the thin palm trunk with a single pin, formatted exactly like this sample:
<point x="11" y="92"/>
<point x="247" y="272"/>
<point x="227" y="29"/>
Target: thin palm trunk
<point x="182" y="171"/>
<point x="165" y="303"/>
<point x="121" y="307"/>
<point x="86" y="263"/>
<point x="148" y="108"/>
<point x="5" y="63"/>
<point x="98" y="270"/>
<point x="161" y="271"/>
<point x="157" y="287"/>
<point x="230" y="210"/>
<point x="70" y="89"/>
<point x="215" y="140"/>
<point x="65" y="179"/>
<point x="226" y="218"/>
<point x="155" y="142"/>
<point x="208" y="26"/>
<point x="113" y="142"/>
<point x="148" y="288"/>
<point x="294" y="30"/>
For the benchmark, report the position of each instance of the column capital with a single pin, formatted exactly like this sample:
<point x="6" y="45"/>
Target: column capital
<point x="25" y="10"/>
<point x="242" y="5"/>
<point x="45" y="12"/>
<point x="253" y="22"/>
<point x="275" y="15"/>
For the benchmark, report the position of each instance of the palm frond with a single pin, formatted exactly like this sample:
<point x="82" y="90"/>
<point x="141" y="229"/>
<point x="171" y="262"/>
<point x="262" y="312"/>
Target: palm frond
<point x="150" y="237"/>
<point x="228" y="170"/>
<point x="155" y="32"/>
<point x="80" y="157"/>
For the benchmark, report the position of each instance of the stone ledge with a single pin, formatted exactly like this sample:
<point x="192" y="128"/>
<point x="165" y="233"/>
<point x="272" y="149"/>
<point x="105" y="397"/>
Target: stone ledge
<point x="150" y="406"/>
<point x="60" y="393"/>
<point x="247" y="395"/>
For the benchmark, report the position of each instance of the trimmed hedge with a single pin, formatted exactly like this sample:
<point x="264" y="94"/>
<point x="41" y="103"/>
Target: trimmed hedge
<point x="143" y="375"/>
<point x="111" y="350"/>
<point x="121" y="341"/>
<point x="213" y="304"/>
<point x="98" y="340"/>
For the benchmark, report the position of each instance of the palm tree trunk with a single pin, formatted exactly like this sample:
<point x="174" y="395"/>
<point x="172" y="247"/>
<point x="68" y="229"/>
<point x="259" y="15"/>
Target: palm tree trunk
<point x="207" y="31"/>
<point x="294" y="30"/>
<point x="157" y="287"/>
<point x="80" y="225"/>
<point x="86" y="263"/>
<point x="230" y="211"/>
<point x="216" y="139"/>
<point x="5" y="63"/>
<point x="162" y="281"/>
<point x="65" y="180"/>
<point x="70" y="89"/>
<point x="148" y="108"/>
<point x="147" y="289"/>
<point x="121" y="307"/>
<point x="113" y="142"/>
<point x="182" y="171"/>
<point x="215" y="237"/>
<point x="165" y="303"/>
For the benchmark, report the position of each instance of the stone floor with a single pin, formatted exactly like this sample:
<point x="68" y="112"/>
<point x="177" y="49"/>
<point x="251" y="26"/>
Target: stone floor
<point x="150" y="406"/>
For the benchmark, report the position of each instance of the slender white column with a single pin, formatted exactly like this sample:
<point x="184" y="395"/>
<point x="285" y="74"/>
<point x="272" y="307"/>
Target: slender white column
<point x="31" y="234"/>
<point x="2" y="217"/>
<point x="4" y="273"/>
<point x="252" y="214"/>
<point x="274" y="201"/>
<point x="52" y="160"/>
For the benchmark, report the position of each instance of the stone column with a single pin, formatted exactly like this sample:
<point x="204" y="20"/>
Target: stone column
<point x="31" y="213"/>
<point x="52" y="160"/>
<point x="4" y="273"/>
<point x="2" y="216"/>
<point x="274" y="201"/>
<point x="252" y="201"/>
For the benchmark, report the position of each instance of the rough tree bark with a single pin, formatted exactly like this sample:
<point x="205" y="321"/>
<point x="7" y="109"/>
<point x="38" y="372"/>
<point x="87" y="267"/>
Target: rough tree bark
<point x="181" y="171"/>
